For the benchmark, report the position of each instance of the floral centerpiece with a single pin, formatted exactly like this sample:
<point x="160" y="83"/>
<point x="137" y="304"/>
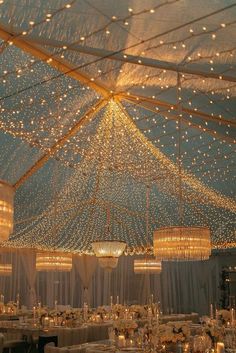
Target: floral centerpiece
<point x="126" y="327"/>
<point x="139" y="311"/>
<point x="11" y="307"/>
<point x="173" y="332"/>
<point x="214" y="331"/>
<point x="223" y="316"/>
<point x="118" y="309"/>
<point x="67" y="317"/>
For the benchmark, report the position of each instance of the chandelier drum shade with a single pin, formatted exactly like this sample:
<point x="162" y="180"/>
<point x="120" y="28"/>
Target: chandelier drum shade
<point x="5" y="269"/>
<point x="147" y="266"/>
<point x="53" y="261"/>
<point x="108" y="263"/>
<point x="6" y="210"/>
<point x="182" y="243"/>
<point x="108" y="252"/>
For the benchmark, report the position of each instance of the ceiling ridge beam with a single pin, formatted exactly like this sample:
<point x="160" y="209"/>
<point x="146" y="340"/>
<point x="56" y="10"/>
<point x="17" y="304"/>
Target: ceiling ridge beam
<point x="52" y="150"/>
<point x="51" y="60"/>
<point x="192" y="69"/>
<point x="186" y="122"/>
<point x="174" y="107"/>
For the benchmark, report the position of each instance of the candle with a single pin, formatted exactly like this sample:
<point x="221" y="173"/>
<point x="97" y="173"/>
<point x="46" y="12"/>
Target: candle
<point x="111" y="301"/>
<point x="18" y="301"/>
<point x="46" y="321"/>
<point x="220" y="347"/>
<point x="121" y="341"/>
<point x="117" y="299"/>
<point x="211" y="312"/>
<point x="151" y="298"/>
<point x="85" y="312"/>
<point x="34" y="313"/>
<point x="186" y="348"/>
<point x="232" y="313"/>
<point x="51" y="323"/>
<point x="56" y="305"/>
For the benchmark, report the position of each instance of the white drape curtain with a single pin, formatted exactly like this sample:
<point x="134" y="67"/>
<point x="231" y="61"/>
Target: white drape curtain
<point x="28" y="259"/>
<point x="85" y="266"/>
<point x="181" y="287"/>
<point x="189" y="286"/>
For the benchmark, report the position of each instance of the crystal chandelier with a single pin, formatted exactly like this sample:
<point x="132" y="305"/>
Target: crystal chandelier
<point x="6" y="210"/>
<point x="147" y="266"/>
<point x="53" y="261"/>
<point x="108" y="252"/>
<point x="5" y="269"/>
<point x="182" y="243"/>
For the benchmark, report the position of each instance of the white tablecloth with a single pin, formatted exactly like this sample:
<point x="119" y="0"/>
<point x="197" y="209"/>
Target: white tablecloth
<point x="66" y="336"/>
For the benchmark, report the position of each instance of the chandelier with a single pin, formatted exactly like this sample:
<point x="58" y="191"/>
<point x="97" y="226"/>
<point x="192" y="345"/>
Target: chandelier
<point x="182" y="243"/>
<point x="5" y="269"/>
<point x="6" y="210"/>
<point x="108" y="252"/>
<point x="53" y="261"/>
<point x="147" y="266"/>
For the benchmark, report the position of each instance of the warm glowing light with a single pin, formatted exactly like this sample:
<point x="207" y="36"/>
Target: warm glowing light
<point x="151" y="266"/>
<point x="108" y="263"/>
<point x="5" y="269"/>
<point x="6" y="210"/>
<point x="182" y="243"/>
<point x="53" y="261"/>
<point x="108" y="252"/>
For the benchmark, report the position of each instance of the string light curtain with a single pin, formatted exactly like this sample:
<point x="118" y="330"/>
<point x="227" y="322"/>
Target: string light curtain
<point x="6" y="210"/>
<point x="54" y="260"/>
<point x="147" y="265"/>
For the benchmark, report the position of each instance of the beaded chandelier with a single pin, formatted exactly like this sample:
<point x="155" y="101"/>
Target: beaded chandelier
<point x="6" y="210"/>
<point x="5" y="269"/>
<point x="53" y="261"/>
<point x="182" y="243"/>
<point x="147" y="266"/>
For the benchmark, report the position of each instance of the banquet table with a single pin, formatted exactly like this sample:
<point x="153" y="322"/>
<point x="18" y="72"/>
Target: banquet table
<point x="194" y="317"/>
<point x="66" y="336"/>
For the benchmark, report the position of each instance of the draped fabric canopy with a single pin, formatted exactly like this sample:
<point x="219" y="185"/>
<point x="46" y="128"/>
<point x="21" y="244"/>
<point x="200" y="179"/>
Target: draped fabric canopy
<point x="85" y="265"/>
<point x="100" y="99"/>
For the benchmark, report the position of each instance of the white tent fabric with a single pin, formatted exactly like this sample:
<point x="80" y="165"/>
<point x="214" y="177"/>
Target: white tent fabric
<point x="161" y="53"/>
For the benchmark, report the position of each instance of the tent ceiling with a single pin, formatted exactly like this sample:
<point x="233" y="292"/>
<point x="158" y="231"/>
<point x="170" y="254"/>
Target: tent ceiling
<point x="72" y="151"/>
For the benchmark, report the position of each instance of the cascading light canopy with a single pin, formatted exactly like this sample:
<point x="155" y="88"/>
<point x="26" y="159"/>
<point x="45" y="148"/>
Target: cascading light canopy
<point x="147" y="266"/>
<point x="182" y="243"/>
<point x="6" y="210"/>
<point x="53" y="261"/>
<point x="5" y="269"/>
<point x="108" y="252"/>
